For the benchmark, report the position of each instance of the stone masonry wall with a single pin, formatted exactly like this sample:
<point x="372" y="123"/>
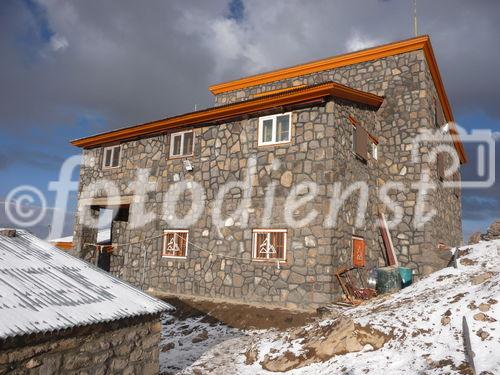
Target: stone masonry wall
<point x="116" y="348"/>
<point x="320" y="151"/>
<point x="410" y="105"/>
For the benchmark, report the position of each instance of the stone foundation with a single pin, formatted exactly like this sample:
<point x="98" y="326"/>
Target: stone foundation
<point x="122" y="347"/>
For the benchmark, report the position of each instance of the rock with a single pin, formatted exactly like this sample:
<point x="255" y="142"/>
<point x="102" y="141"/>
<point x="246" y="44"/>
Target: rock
<point x="482" y="334"/>
<point x="32" y="363"/>
<point x="309" y="241"/>
<point x="484" y="307"/>
<point x="480" y="316"/>
<point x="479" y="279"/>
<point x="238" y="281"/>
<point x="474" y="238"/>
<point x="251" y="355"/>
<point x="286" y="179"/>
<point x="492" y="233"/>
<point x="168" y="346"/>
<point x="323" y="342"/>
<point x="202" y="336"/>
<point x="445" y="320"/>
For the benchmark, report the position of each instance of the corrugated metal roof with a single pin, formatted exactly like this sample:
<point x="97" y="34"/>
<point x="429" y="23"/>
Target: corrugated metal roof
<point x="45" y="289"/>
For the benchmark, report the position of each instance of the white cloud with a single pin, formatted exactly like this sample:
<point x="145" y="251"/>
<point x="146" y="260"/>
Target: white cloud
<point x="358" y="42"/>
<point x="58" y="42"/>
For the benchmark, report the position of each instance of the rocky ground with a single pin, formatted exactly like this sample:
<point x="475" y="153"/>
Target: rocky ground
<point x="418" y="330"/>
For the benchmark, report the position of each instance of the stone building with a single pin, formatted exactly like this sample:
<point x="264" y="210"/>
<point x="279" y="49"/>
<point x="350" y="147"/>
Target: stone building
<point x="61" y="315"/>
<point x="278" y="147"/>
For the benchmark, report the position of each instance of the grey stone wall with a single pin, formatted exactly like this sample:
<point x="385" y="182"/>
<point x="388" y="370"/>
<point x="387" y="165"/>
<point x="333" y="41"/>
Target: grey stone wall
<point x="409" y="107"/>
<point x="116" y="348"/>
<point x="320" y="151"/>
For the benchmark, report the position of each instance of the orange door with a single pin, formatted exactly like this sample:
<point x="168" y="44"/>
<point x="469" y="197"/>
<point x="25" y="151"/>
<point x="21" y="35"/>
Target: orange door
<point x="358" y="252"/>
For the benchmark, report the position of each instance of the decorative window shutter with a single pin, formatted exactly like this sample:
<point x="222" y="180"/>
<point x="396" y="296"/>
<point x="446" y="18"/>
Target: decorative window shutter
<point x="361" y="142"/>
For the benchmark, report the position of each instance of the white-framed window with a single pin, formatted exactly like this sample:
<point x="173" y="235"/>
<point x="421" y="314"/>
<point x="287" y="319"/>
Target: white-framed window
<point x="181" y="143"/>
<point x="111" y="156"/>
<point x="374" y="151"/>
<point x="175" y="243"/>
<point x="275" y="129"/>
<point x="269" y="244"/>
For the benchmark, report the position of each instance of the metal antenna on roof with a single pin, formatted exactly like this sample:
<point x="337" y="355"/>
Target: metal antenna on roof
<point x="415" y="23"/>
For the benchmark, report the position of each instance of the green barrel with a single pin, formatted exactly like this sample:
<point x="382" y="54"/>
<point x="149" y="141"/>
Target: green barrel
<point x="406" y="276"/>
<point x="388" y="280"/>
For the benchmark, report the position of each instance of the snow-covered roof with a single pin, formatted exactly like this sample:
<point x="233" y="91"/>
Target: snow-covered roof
<point x="45" y="289"/>
<point x="103" y="236"/>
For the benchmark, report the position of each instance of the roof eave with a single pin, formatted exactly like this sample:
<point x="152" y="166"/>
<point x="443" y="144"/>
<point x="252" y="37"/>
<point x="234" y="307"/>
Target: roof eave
<point x="231" y="111"/>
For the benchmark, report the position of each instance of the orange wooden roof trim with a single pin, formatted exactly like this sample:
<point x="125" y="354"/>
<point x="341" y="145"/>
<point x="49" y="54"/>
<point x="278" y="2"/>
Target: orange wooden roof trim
<point x="63" y="245"/>
<point x="233" y="110"/>
<point x="277" y="91"/>
<point x="413" y="44"/>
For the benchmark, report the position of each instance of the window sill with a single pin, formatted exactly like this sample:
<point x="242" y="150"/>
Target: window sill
<point x="110" y="168"/>
<point x="270" y="261"/>
<point x="273" y="144"/>
<point x="174" y="157"/>
<point x="173" y="257"/>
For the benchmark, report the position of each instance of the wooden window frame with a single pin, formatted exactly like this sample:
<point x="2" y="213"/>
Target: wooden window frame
<point x="112" y="148"/>
<point x="175" y="231"/>
<point x="255" y="232"/>
<point x="374" y="152"/>
<point x="274" y="129"/>
<point x="171" y="148"/>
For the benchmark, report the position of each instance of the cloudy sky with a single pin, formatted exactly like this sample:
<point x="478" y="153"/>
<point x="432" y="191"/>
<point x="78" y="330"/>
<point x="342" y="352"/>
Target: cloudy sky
<point x="73" y="68"/>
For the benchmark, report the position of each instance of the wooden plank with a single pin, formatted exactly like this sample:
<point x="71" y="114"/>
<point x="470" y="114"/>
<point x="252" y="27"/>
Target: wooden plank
<point x="392" y="260"/>
<point x="107" y="201"/>
<point x="469" y="354"/>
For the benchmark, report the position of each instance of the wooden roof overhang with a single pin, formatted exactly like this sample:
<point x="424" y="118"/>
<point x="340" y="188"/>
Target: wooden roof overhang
<point x="419" y="43"/>
<point x="219" y="114"/>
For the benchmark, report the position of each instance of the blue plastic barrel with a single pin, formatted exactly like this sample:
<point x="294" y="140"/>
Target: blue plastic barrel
<point x="406" y="276"/>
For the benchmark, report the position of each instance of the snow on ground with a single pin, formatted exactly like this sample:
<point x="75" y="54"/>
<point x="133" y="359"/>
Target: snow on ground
<point x="423" y="324"/>
<point x="184" y="341"/>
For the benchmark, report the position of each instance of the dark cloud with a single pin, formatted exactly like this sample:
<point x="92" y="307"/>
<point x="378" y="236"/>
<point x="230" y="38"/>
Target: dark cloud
<point x="130" y="62"/>
<point x="34" y="158"/>
<point x="480" y="204"/>
<point x="4" y="160"/>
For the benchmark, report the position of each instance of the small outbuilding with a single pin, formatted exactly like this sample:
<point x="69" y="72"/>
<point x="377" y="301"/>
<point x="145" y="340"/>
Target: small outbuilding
<point x="59" y="314"/>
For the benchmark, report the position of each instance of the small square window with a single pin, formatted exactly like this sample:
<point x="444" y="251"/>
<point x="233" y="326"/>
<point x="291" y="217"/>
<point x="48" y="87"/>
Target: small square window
<point x="181" y="143"/>
<point x="274" y="129"/>
<point x="269" y="244"/>
<point x="112" y="156"/>
<point x="175" y="243"/>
